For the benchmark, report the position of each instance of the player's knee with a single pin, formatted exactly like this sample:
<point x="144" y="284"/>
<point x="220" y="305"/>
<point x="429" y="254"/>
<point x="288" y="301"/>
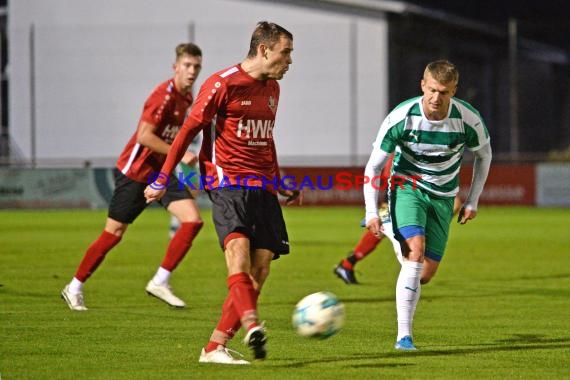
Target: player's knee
<point x="117" y="230"/>
<point x="197" y="220"/>
<point x="259" y="274"/>
<point x="425" y="279"/>
<point x="192" y="219"/>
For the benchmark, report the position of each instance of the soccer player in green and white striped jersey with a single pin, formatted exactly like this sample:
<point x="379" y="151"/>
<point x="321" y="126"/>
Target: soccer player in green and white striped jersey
<point x="428" y="134"/>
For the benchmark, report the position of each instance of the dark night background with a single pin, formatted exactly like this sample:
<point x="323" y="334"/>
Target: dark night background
<point x="481" y="52"/>
<point x="546" y="21"/>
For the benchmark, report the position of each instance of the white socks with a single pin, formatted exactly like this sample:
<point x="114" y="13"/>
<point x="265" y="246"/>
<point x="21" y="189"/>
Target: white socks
<point x="75" y="286"/>
<point x="161" y="277"/>
<point x="408" y="291"/>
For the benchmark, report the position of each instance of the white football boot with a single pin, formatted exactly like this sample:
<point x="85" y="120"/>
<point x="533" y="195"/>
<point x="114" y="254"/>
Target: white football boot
<point x="220" y="355"/>
<point x="74" y="301"/>
<point x="164" y="293"/>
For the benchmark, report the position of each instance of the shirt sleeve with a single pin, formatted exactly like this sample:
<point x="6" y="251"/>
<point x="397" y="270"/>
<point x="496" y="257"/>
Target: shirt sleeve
<point x="476" y="132"/>
<point x="209" y="100"/>
<point x="156" y="107"/>
<point x="387" y="137"/>
<point x="376" y="162"/>
<point x="386" y="141"/>
<point x="480" y="172"/>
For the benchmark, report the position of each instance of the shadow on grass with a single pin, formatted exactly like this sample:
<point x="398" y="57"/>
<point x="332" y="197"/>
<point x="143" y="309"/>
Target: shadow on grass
<point x="518" y="342"/>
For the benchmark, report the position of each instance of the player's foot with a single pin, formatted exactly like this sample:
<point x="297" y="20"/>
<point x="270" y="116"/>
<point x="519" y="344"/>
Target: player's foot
<point x="256" y="339"/>
<point x="346" y="275"/>
<point x="220" y="355"/>
<point x="74" y="301"/>
<point x="164" y="293"/>
<point x="405" y="344"/>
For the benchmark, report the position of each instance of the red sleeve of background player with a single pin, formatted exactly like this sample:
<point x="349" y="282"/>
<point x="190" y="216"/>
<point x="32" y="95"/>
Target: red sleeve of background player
<point x="157" y="106"/>
<point x="209" y="100"/>
<point x="388" y="167"/>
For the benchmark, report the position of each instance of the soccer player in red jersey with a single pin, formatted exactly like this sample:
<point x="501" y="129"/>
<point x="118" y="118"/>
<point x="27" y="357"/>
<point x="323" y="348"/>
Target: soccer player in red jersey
<point x="236" y="110"/>
<point x="163" y="114"/>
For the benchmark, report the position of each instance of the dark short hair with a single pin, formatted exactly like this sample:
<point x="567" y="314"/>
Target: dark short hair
<point x="267" y="33"/>
<point x="442" y="71"/>
<point x="189" y="49"/>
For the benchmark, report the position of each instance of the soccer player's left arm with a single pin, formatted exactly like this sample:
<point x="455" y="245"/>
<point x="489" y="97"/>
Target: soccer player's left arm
<point x="480" y="172"/>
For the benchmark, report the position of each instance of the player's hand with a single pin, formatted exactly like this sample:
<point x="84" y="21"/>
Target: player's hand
<point x="293" y="196"/>
<point x="189" y="159"/>
<point x="466" y="214"/>
<point x="152" y="194"/>
<point x="375" y="227"/>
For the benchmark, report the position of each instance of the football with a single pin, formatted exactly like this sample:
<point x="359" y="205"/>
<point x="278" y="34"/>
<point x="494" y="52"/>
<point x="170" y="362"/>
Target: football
<point x="319" y="315"/>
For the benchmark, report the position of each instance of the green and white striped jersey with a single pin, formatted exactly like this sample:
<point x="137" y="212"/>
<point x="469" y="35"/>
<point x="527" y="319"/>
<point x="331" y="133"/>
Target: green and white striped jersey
<point x="431" y="150"/>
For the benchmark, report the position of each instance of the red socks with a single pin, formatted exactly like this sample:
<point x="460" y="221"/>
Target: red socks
<point x="96" y="254"/>
<point x="242" y="299"/>
<point x="368" y="242"/>
<point x="180" y="244"/>
<point x="243" y="295"/>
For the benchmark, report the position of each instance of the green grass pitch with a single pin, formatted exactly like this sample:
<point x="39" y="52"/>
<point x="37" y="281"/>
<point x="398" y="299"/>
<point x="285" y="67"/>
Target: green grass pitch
<point x="499" y="308"/>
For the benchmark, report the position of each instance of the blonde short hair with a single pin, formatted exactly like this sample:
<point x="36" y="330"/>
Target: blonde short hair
<point x="442" y="71"/>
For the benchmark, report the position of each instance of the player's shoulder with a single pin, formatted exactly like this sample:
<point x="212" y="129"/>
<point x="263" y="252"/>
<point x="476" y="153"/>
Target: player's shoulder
<point x="220" y="79"/>
<point x="164" y="92"/>
<point x="226" y="75"/>
<point x="406" y="108"/>
<point x="463" y="109"/>
<point x="166" y="87"/>
<point x="467" y="114"/>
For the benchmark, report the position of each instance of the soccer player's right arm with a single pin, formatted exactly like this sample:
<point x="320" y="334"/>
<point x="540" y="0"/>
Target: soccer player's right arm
<point x="212" y="94"/>
<point x="147" y="137"/>
<point x="180" y="145"/>
<point x="156" y="107"/>
<point x="376" y="162"/>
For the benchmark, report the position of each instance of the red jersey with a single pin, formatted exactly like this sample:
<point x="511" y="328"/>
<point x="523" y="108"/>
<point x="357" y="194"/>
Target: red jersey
<point x="166" y="109"/>
<point x="237" y="114"/>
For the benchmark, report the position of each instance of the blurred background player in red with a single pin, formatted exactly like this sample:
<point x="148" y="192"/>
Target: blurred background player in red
<point x="192" y="172"/>
<point x="236" y="109"/>
<point x="368" y="242"/>
<point x="163" y="115"/>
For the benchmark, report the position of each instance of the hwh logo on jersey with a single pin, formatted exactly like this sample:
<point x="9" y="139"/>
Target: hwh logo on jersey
<point x="169" y="133"/>
<point x="262" y="129"/>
